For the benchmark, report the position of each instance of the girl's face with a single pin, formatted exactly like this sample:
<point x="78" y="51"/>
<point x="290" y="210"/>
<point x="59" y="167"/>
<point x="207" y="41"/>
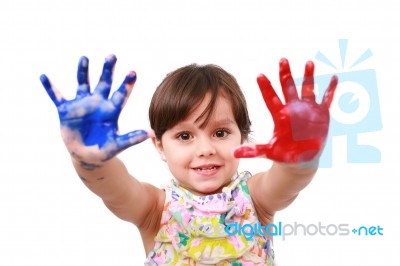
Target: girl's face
<point x="201" y="159"/>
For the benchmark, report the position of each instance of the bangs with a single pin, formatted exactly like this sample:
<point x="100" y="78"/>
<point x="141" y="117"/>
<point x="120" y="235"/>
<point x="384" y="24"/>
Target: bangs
<point x="175" y="100"/>
<point x="184" y="89"/>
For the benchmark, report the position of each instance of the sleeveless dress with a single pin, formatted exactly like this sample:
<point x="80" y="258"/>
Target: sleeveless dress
<point x="217" y="229"/>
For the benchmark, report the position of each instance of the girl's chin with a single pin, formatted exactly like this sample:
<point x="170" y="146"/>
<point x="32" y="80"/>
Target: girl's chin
<point x="208" y="189"/>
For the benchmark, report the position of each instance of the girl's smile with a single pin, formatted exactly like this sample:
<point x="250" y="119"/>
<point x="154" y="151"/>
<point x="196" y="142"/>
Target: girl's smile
<point x="201" y="158"/>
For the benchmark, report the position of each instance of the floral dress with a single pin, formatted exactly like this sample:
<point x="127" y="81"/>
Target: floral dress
<point x="215" y="229"/>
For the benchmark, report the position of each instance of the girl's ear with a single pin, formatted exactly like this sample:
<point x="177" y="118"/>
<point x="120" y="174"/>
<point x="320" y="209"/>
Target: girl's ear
<point x="158" y="145"/>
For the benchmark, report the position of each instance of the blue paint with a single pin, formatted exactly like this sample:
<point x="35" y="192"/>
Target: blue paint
<point x="94" y="115"/>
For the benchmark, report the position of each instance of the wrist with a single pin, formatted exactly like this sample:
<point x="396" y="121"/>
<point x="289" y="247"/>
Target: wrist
<point x="86" y="165"/>
<point x="302" y="168"/>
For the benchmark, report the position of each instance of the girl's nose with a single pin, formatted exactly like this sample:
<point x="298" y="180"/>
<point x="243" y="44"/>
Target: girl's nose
<point x="205" y="147"/>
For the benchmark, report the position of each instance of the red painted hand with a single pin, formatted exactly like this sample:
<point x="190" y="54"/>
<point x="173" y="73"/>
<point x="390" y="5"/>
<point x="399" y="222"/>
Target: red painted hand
<point x="301" y="125"/>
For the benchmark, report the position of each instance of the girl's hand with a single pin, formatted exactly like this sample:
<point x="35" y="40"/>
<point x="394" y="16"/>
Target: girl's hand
<point x="89" y="123"/>
<point x="301" y="126"/>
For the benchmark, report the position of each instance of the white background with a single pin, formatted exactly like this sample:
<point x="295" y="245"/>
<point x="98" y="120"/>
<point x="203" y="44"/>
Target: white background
<point x="48" y="217"/>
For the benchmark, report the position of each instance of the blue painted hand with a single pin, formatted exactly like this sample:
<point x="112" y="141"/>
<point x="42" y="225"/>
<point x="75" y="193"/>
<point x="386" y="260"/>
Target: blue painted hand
<point x="89" y="123"/>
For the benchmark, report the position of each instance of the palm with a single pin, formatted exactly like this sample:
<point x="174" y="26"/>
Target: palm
<point x="301" y="126"/>
<point x="94" y="117"/>
<point x="89" y="123"/>
<point x="300" y="130"/>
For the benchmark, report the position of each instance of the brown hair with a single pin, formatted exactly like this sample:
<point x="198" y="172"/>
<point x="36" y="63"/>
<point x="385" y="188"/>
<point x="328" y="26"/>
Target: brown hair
<point x="184" y="89"/>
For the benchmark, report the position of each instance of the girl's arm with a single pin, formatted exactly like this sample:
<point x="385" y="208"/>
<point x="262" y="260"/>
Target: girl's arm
<point x="278" y="187"/>
<point x="89" y="129"/>
<point x="301" y="127"/>
<point x="125" y="196"/>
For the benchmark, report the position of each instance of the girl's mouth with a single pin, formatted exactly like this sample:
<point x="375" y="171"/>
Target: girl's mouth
<point x="207" y="170"/>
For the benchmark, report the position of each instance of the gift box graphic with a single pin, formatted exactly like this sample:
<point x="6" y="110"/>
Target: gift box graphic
<point x="354" y="110"/>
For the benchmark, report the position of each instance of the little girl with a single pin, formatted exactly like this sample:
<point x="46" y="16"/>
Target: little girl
<point x="200" y="125"/>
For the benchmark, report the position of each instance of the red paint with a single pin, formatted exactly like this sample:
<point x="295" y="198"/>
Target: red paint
<point x="301" y="125"/>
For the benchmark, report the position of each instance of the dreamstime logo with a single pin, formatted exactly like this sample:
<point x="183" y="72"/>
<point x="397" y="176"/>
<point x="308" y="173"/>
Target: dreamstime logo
<point x="354" y="109"/>
<point x="249" y="231"/>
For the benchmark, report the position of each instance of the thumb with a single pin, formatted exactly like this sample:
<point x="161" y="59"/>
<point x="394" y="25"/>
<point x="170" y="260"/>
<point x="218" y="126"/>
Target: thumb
<point x="132" y="138"/>
<point x="252" y="150"/>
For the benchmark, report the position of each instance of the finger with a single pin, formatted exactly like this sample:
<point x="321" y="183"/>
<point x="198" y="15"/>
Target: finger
<point x="104" y="86"/>
<point x="271" y="99"/>
<point x="330" y="91"/>
<point x="120" y="96"/>
<point x="53" y="93"/>
<point x="287" y="82"/>
<point x="132" y="138"/>
<point x="252" y="150"/>
<point x="83" y="77"/>
<point x="307" y="89"/>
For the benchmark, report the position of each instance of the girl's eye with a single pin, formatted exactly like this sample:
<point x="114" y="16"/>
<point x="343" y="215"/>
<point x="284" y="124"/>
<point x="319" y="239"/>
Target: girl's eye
<point x="184" y="136"/>
<point x="221" y="133"/>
